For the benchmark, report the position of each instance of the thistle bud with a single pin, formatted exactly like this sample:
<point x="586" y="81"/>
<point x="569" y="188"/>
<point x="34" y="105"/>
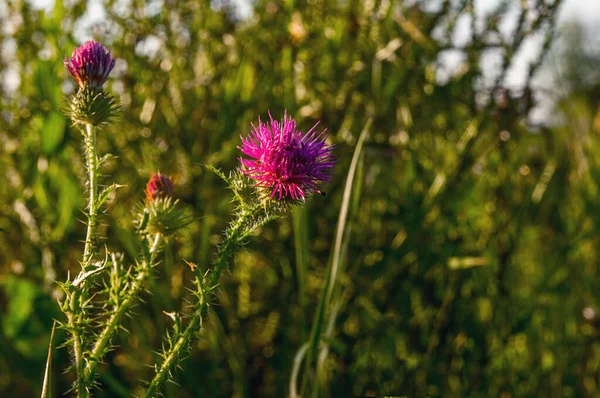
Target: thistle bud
<point x="160" y="213"/>
<point x="159" y="186"/>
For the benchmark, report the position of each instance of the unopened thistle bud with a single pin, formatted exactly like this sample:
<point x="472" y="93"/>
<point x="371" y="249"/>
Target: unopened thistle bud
<point x="286" y="164"/>
<point x="90" y="65"/>
<point x="160" y="213"/>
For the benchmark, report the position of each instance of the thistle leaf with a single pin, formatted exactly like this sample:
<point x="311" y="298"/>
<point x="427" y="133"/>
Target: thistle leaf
<point x="106" y="193"/>
<point x="218" y="173"/>
<point x="84" y="275"/>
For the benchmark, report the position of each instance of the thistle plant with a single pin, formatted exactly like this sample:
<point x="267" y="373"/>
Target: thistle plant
<point x="105" y="290"/>
<point x="284" y="167"/>
<point x="90" y="107"/>
<point x="124" y="288"/>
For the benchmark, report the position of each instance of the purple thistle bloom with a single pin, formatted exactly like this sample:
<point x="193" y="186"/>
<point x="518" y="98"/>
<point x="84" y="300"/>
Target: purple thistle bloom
<point x="90" y="64"/>
<point x="286" y="162"/>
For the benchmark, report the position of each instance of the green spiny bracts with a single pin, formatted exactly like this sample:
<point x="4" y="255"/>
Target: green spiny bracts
<point x="165" y="216"/>
<point x="91" y="105"/>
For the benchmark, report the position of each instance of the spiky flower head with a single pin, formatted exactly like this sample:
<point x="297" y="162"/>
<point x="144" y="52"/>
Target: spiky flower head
<point x="159" y="186"/>
<point x="90" y="64"/>
<point x="286" y="164"/>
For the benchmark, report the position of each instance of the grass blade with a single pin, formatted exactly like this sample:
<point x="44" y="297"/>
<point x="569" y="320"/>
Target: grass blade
<point x="47" y="374"/>
<point x="296" y="369"/>
<point x="334" y="264"/>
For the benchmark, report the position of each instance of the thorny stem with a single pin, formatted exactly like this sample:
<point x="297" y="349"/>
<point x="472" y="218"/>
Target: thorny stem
<point x="113" y="323"/>
<point x="172" y="355"/>
<point x="92" y="166"/>
<point x="77" y="349"/>
<point x="78" y="296"/>
<point x="234" y="235"/>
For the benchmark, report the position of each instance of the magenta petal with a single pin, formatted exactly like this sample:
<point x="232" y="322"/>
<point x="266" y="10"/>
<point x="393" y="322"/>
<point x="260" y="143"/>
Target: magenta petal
<point x="90" y="64"/>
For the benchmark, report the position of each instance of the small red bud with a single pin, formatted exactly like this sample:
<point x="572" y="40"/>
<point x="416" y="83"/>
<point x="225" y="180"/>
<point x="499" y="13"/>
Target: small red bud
<point x="159" y="186"/>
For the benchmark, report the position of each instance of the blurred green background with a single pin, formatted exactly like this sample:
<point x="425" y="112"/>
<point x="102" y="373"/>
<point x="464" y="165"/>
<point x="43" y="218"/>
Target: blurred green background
<point x="469" y="264"/>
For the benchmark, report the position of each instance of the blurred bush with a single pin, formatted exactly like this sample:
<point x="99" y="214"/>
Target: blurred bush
<point x="469" y="252"/>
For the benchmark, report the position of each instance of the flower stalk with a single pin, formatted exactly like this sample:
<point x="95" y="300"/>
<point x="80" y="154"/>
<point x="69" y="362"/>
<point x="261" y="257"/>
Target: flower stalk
<point x="101" y="346"/>
<point x="244" y="224"/>
<point x="77" y="297"/>
<point x="286" y="167"/>
<point x="72" y="319"/>
<point x="92" y="166"/>
<point x="172" y="355"/>
<point x="89" y="108"/>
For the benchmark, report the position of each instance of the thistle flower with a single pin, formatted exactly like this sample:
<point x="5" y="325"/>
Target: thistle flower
<point x="159" y="186"/>
<point x="90" y="64"/>
<point x="286" y="163"/>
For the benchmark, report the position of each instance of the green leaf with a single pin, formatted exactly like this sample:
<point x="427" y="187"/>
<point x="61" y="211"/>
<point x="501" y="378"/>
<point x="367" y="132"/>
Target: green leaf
<point x="68" y="202"/>
<point x="336" y="262"/>
<point x="106" y="193"/>
<point x="218" y="173"/>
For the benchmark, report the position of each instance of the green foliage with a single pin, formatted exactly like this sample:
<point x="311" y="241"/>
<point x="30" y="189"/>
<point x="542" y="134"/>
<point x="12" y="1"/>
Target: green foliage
<point x="469" y="249"/>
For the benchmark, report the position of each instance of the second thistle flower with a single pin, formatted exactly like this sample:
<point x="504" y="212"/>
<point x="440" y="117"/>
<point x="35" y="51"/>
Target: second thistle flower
<point x="286" y="164"/>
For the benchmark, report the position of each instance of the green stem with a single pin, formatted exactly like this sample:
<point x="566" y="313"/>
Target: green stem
<point x="78" y="297"/>
<point x="240" y="228"/>
<point x="77" y="346"/>
<point x="171" y="356"/>
<point x="233" y="236"/>
<point x="334" y="266"/>
<point x="92" y="166"/>
<point x="113" y="323"/>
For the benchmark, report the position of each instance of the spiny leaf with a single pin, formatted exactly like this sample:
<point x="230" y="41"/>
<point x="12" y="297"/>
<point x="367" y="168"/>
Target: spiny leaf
<point x="218" y="172"/>
<point x="106" y="193"/>
<point x="84" y="275"/>
<point x="235" y="181"/>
